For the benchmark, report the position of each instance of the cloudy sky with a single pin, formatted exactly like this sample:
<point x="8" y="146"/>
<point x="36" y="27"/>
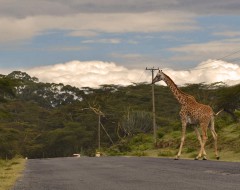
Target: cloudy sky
<point x="94" y="42"/>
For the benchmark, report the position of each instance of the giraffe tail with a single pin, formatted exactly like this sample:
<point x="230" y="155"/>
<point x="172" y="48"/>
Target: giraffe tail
<point x="215" y="114"/>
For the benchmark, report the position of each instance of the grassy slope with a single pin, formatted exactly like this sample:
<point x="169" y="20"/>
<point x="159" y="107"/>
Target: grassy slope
<point x="10" y="170"/>
<point x="167" y="146"/>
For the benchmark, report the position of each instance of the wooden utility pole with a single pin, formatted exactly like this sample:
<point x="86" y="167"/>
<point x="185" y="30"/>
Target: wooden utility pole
<point x="153" y="104"/>
<point x="99" y="136"/>
<point x="99" y="113"/>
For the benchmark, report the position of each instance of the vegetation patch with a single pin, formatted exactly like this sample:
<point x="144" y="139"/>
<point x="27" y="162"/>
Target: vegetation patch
<point x="39" y="120"/>
<point x="10" y="171"/>
<point x="138" y="153"/>
<point x="166" y="153"/>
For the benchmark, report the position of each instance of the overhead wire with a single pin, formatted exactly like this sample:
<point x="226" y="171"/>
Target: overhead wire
<point x="221" y="58"/>
<point x="142" y="76"/>
<point x="234" y="60"/>
<point x="206" y="67"/>
<point x="228" y="55"/>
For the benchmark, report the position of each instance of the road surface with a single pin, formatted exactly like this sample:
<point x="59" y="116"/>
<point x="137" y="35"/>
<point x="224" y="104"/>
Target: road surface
<point x="128" y="173"/>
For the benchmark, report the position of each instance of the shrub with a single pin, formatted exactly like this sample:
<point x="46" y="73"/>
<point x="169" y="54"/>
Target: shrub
<point x="139" y="153"/>
<point x="160" y="134"/>
<point x="165" y="153"/>
<point x="190" y="149"/>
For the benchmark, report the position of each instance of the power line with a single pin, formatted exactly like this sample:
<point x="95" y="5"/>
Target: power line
<point x="221" y="59"/>
<point x="141" y="76"/>
<point x="228" y="55"/>
<point x="234" y="60"/>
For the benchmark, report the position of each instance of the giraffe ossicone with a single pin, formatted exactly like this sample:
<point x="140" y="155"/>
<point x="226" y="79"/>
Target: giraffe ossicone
<point x="192" y="112"/>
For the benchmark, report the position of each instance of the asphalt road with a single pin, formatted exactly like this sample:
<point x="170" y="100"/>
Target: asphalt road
<point x="128" y="173"/>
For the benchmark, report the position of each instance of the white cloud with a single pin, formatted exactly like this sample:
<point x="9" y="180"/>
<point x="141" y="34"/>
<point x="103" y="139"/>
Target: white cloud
<point x="17" y="29"/>
<point x="95" y="73"/>
<point x="103" y="41"/>
<point x="61" y="7"/>
<point x="85" y="24"/>
<point x="209" y="71"/>
<point x="4" y="71"/>
<point x="87" y="74"/>
<point x="210" y="47"/>
<point x="200" y="51"/>
<point x="228" y="33"/>
<point x="82" y="33"/>
<point x="67" y="48"/>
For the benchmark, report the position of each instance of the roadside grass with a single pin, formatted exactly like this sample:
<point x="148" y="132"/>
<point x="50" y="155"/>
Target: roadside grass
<point x="169" y="141"/>
<point x="10" y="171"/>
<point x="227" y="155"/>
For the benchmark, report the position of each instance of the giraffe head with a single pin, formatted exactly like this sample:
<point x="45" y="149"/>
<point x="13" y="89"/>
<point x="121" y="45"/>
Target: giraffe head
<point x="160" y="76"/>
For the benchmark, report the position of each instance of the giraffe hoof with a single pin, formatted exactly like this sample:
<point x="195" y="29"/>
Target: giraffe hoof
<point x="176" y="158"/>
<point x="204" y="158"/>
<point x="196" y="158"/>
<point x="218" y="157"/>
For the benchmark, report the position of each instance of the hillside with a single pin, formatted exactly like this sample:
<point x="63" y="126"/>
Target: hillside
<point x="50" y="120"/>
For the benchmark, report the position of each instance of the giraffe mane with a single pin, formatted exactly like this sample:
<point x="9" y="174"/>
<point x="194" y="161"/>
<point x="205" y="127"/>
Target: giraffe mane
<point x="177" y="87"/>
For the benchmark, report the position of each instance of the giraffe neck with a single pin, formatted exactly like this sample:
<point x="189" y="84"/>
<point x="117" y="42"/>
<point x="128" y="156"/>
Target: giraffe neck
<point x="179" y="95"/>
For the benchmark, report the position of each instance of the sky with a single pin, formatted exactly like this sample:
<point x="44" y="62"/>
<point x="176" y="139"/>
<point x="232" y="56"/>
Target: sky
<point x="90" y="43"/>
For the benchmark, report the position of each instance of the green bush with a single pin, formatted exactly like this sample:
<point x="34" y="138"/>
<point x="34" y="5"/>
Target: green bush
<point x="190" y="149"/>
<point x="141" y="138"/>
<point x="139" y="153"/>
<point x="119" y="149"/>
<point x="223" y="121"/>
<point x="90" y="152"/>
<point x="166" y="153"/>
<point x="114" y="152"/>
<point x="160" y="134"/>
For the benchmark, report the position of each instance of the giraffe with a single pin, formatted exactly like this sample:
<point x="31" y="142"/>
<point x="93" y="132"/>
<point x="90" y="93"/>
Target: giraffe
<point x="192" y="112"/>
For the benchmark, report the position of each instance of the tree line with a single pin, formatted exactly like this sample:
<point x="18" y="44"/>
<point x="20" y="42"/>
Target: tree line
<point x="50" y="120"/>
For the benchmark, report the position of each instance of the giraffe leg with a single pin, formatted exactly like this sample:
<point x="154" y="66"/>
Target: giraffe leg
<point x="184" y="125"/>
<point x="203" y="148"/>
<point x="204" y="140"/>
<point x="214" y="134"/>
<point x="200" y="141"/>
<point x="203" y="144"/>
